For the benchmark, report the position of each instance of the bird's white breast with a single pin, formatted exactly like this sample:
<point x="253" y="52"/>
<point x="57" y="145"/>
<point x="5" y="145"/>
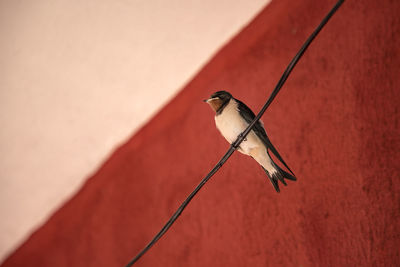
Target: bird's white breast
<point x="230" y="123"/>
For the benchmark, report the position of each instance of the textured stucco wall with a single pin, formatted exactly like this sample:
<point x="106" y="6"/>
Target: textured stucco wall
<point x="336" y="123"/>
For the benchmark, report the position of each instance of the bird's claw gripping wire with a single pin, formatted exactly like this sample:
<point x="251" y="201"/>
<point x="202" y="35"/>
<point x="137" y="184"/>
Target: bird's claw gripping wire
<point x="241" y="137"/>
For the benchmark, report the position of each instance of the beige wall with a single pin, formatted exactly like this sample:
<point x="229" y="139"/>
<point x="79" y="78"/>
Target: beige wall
<point x="73" y="77"/>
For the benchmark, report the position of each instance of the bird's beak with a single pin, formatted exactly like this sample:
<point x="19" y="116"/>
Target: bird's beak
<point x="210" y="99"/>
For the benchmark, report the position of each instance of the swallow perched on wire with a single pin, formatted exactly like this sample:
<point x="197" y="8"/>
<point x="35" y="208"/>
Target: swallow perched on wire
<point x="231" y="118"/>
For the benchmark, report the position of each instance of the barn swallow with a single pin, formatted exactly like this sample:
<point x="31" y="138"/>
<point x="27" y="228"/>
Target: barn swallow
<point x="231" y="118"/>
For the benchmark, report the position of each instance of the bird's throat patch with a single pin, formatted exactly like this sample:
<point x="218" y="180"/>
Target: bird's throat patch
<point x="215" y="104"/>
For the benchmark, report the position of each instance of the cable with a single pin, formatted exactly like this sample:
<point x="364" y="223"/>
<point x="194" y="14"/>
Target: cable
<point x="241" y="137"/>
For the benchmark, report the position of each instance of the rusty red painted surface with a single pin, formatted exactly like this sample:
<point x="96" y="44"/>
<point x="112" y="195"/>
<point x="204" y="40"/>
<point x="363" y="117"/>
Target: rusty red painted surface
<point x="335" y="122"/>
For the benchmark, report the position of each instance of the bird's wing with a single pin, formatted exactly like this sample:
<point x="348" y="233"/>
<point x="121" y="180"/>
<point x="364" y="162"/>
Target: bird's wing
<point x="258" y="128"/>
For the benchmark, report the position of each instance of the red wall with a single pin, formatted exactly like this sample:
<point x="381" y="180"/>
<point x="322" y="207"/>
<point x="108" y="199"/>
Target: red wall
<point x="335" y="122"/>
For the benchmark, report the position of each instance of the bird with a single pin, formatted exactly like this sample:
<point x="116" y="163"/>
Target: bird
<point x="232" y="117"/>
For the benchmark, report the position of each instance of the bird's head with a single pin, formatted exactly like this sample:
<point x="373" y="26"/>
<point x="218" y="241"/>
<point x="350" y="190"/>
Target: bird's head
<point x="218" y="100"/>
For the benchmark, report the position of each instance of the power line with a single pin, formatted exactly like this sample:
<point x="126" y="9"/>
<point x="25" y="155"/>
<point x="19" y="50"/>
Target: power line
<point x="241" y="137"/>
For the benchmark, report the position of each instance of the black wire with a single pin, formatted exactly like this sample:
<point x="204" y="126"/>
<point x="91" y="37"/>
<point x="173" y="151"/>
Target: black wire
<point x="242" y="136"/>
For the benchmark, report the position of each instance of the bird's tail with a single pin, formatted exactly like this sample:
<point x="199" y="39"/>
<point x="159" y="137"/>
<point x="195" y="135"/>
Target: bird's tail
<point x="279" y="174"/>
